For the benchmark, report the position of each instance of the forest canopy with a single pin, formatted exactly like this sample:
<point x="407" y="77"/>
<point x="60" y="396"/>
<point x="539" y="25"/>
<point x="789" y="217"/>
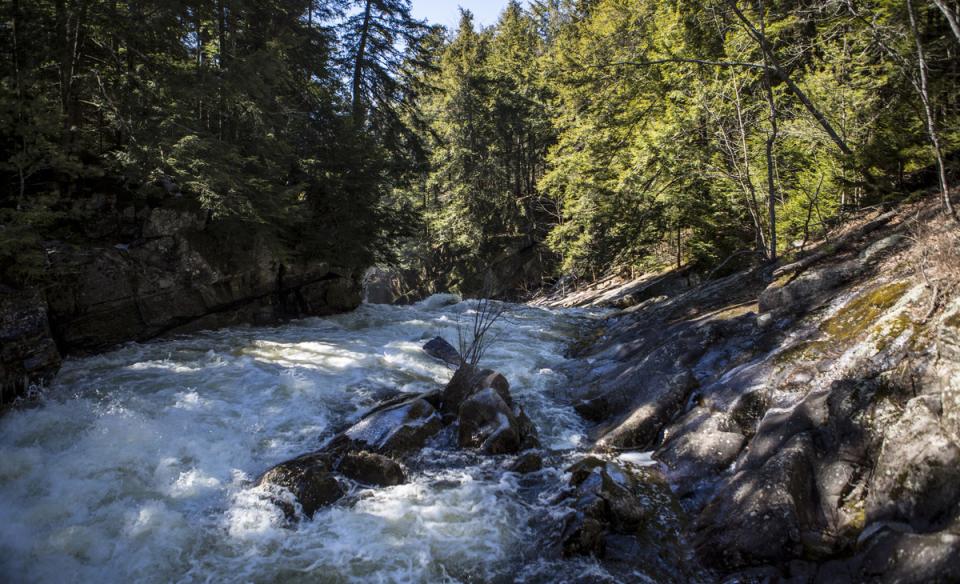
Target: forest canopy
<point x="604" y="134"/>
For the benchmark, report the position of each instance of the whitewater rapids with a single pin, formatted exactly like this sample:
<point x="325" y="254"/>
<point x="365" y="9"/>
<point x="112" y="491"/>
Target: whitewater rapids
<point x="137" y="465"/>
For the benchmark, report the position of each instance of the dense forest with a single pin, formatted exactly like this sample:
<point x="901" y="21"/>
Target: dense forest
<point x="625" y="135"/>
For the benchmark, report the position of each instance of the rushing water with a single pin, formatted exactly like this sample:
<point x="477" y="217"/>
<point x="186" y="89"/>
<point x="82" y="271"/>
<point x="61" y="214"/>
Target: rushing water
<point x="138" y="464"/>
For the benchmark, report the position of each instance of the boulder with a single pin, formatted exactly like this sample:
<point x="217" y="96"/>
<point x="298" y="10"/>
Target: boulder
<point x="28" y="353"/>
<point x="760" y="516"/>
<point x="526" y="463"/>
<point x="439" y="348"/>
<point x="649" y="412"/>
<point x="486" y="422"/>
<point x="371" y="469"/>
<point x="892" y="555"/>
<point x="309" y="479"/>
<point x="918" y="472"/>
<point x="394" y="429"/>
<point x="467" y="381"/>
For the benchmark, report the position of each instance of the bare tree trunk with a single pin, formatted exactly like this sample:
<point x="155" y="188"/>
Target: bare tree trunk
<point x="771" y="62"/>
<point x="222" y="55"/>
<point x="755" y="207"/>
<point x="19" y="90"/>
<point x="358" y="64"/>
<point x="679" y="247"/>
<point x="950" y="16"/>
<point x="771" y="143"/>
<point x="930" y="114"/>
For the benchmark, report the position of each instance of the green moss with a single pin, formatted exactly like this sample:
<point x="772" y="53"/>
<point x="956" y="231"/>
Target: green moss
<point x="805" y="351"/>
<point x="862" y="312"/>
<point x="855" y="514"/>
<point x="892" y="332"/>
<point x="953" y="321"/>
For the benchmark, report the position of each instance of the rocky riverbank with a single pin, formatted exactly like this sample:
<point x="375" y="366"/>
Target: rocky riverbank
<point x="804" y="415"/>
<point x="794" y="422"/>
<point x="173" y="271"/>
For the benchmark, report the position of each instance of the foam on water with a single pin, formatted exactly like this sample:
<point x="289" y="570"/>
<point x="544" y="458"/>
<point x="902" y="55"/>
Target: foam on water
<point x="138" y="465"/>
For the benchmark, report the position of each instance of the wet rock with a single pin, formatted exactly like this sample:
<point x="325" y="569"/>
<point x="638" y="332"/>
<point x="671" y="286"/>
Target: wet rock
<point x="486" y="422"/>
<point x="498" y="382"/>
<point x="749" y="409"/>
<point x="526" y="463"/>
<point x="464" y="383"/>
<point x="583" y="535"/>
<point x="529" y="436"/>
<point x="760" y="516"/>
<point x="701" y="443"/>
<point x="309" y="479"/>
<point x="626" y="520"/>
<point x="394" y="429"/>
<point x="810" y="288"/>
<point x="648" y="413"/>
<point x="605" y="491"/>
<point x="28" y="353"/>
<point x="695" y="456"/>
<point x="371" y="469"/>
<point x="439" y="348"/>
<point x="918" y="471"/>
<point x="896" y="556"/>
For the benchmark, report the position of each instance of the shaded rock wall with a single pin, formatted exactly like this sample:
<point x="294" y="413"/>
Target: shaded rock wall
<point x="179" y="272"/>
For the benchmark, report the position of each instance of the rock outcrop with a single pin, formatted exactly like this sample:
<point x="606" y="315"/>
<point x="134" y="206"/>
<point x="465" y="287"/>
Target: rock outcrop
<point x="808" y="416"/>
<point x="176" y="272"/>
<point x="28" y="353"/>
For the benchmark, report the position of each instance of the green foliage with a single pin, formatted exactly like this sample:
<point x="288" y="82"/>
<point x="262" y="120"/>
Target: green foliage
<point x="238" y="105"/>
<point x="655" y="118"/>
<point x="605" y="134"/>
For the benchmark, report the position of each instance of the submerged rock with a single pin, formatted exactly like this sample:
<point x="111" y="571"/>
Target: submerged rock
<point x="371" y="469"/>
<point x="309" y="478"/>
<point x="526" y="463"/>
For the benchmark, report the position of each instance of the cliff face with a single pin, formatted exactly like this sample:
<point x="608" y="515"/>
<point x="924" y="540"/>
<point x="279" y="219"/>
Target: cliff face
<point x="179" y="273"/>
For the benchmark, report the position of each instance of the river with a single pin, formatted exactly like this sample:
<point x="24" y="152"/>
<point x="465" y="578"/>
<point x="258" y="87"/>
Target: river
<point x="138" y="465"/>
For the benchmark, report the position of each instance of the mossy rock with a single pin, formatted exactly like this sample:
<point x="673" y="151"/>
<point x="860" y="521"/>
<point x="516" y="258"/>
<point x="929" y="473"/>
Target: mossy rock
<point x="858" y="315"/>
<point x="801" y="352"/>
<point x="886" y="335"/>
